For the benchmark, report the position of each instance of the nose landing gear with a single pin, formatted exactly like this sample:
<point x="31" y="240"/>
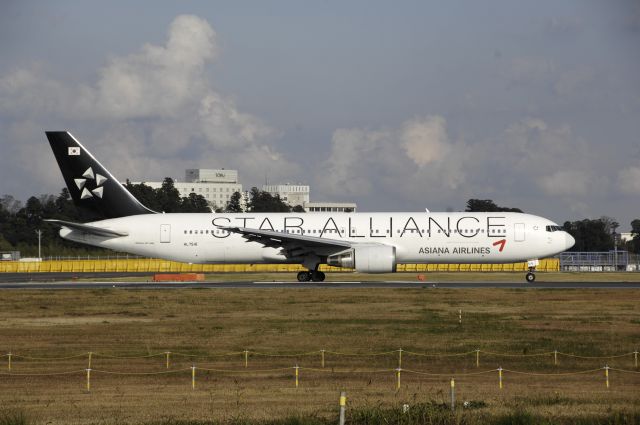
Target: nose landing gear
<point x="531" y="276"/>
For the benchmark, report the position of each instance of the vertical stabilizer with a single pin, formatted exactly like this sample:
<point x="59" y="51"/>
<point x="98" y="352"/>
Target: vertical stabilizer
<point x="92" y="187"/>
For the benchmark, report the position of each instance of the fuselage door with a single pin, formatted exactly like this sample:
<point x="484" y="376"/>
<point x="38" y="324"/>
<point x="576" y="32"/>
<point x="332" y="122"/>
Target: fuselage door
<point x="165" y="233"/>
<point x="518" y="231"/>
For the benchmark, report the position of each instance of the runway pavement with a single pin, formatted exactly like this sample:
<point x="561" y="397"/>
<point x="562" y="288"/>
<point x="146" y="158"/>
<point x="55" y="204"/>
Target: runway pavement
<point x="71" y="285"/>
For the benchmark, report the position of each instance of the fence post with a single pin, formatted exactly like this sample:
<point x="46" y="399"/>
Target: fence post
<point x="555" y="357"/>
<point x="322" y="362"/>
<point x="453" y="395"/>
<point x="606" y="375"/>
<point x="88" y="379"/>
<point x="246" y="358"/>
<point x="460" y="317"/>
<point x="500" y="376"/>
<point x="398" y="370"/>
<point x="635" y="358"/>
<point x="399" y="358"/>
<point x="478" y="357"/>
<point x="193" y="377"/>
<point x="9" y="361"/>
<point x="343" y="405"/>
<point x="297" y="368"/>
<point x="90" y="355"/>
<point x="167" y="354"/>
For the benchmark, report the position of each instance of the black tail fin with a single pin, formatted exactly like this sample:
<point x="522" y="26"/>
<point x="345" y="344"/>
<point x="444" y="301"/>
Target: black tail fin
<point x="93" y="189"/>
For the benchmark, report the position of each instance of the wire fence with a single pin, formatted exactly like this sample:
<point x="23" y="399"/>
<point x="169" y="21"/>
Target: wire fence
<point x="294" y="367"/>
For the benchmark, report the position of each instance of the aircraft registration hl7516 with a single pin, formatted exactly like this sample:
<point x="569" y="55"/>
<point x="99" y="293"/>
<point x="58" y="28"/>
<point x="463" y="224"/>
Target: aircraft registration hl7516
<point x="365" y="242"/>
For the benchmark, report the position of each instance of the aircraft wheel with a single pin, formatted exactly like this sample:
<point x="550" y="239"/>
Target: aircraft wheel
<point x="304" y="277"/>
<point x="531" y="277"/>
<point x="317" y="276"/>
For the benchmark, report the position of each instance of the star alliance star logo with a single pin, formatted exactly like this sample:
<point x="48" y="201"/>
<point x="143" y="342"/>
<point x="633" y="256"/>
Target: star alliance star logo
<point x="82" y="184"/>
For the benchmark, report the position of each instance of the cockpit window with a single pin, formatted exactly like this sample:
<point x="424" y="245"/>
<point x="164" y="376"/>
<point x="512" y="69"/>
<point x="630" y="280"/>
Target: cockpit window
<point x="554" y="229"/>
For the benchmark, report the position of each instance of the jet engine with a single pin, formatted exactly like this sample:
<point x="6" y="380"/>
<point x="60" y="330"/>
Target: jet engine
<point x="366" y="259"/>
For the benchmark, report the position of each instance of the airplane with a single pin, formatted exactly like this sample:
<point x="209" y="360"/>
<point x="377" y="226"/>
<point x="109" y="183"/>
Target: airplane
<point x="373" y="242"/>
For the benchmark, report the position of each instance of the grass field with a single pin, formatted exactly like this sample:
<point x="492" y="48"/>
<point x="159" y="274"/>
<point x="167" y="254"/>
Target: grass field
<point x="196" y="324"/>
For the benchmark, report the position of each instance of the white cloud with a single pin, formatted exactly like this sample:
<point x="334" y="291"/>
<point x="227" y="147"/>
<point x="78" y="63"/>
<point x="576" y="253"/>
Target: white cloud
<point x="355" y="155"/>
<point x="565" y="182"/>
<point x="159" y="80"/>
<point x="152" y="111"/>
<point x="415" y="159"/>
<point x="223" y="125"/>
<point x="419" y="160"/>
<point x="629" y="180"/>
<point x="425" y="141"/>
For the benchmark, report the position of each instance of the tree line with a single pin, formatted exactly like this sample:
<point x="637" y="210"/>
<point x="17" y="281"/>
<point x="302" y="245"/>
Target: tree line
<point x="590" y="234"/>
<point x="19" y="223"/>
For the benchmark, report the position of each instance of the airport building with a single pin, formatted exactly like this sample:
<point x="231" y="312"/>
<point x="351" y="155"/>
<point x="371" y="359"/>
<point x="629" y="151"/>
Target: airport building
<point x="297" y="194"/>
<point x="216" y="186"/>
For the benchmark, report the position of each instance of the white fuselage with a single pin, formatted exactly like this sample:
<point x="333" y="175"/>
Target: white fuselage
<point x="420" y="237"/>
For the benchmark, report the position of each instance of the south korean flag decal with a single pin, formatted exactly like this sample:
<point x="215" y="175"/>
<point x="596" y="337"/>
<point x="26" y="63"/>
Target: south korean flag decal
<point x="74" y="151"/>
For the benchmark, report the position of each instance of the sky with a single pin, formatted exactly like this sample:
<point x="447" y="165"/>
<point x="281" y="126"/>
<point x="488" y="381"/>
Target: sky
<point x="397" y="106"/>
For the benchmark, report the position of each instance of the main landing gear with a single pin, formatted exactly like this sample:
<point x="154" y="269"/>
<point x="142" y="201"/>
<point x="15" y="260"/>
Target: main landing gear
<point x="316" y="276"/>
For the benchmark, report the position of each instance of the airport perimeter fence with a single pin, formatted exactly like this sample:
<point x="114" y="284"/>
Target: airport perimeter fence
<point x="605" y="261"/>
<point x="316" y="363"/>
<point x="151" y="265"/>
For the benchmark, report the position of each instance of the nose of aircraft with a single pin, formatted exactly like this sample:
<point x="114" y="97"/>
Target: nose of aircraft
<point x="569" y="241"/>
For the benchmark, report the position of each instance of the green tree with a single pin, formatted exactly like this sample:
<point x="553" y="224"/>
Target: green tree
<point x="635" y="232"/>
<point x="234" y="205"/>
<point x="610" y="224"/>
<point x="590" y="235"/>
<point x="65" y="210"/>
<point x="168" y="197"/>
<point x="145" y="194"/>
<point x="487" y="205"/>
<point x="194" y="204"/>
<point x="33" y="212"/>
<point x="10" y="204"/>
<point x="261" y="201"/>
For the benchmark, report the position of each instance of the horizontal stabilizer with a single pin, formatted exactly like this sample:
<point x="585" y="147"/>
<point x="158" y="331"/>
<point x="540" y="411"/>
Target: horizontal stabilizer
<point x="85" y="228"/>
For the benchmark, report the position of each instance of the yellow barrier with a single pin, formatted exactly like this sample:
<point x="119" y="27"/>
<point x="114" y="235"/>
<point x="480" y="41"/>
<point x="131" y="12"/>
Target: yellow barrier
<point x="153" y="265"/>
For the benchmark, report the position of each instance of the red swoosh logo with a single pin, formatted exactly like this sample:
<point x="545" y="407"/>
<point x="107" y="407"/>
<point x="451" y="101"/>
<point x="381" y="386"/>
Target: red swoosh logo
<point x="501" y="242"/>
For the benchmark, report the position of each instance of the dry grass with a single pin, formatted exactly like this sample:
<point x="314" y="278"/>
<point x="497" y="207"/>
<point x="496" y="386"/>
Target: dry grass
<point x="203" y="322"/>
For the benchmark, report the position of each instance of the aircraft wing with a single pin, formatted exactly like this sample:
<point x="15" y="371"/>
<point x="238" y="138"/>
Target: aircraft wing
<point x="86" y="228"/>
<point x="294" y="244"/>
